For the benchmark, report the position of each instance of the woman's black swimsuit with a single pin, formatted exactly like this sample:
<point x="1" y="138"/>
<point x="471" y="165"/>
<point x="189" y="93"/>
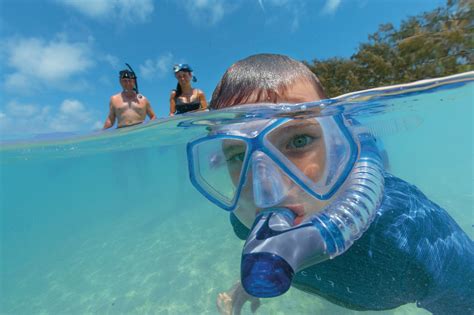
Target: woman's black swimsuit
<point x="182" y="107"/>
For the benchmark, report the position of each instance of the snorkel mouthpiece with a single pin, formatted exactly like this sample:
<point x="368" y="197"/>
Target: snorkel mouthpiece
<point x="266" y="274"/>
<point x="275" y="250"/>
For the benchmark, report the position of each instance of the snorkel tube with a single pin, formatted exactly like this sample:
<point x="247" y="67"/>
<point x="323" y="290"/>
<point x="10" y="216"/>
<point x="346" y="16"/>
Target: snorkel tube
<point x="135" y="75"/>
<point x="276" y="249"/>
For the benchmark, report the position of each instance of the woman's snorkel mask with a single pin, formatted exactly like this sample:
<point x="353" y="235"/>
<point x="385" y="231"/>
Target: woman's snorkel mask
<point x="184" y="67"/>
<point x="336" y="175"/>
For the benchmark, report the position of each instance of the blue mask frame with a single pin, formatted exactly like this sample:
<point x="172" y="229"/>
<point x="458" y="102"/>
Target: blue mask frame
<point x="258" y="143"/>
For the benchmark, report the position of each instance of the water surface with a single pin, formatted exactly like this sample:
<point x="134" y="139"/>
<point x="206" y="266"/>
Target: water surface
<point x="108" y="223"/>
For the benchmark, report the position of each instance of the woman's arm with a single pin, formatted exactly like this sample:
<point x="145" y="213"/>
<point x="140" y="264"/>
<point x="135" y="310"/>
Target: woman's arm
<point x="202" y="98"/>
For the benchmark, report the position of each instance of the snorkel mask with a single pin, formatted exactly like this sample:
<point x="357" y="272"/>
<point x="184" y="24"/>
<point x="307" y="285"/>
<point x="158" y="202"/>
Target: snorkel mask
<point x="129" y="74"/>
<point x="312" y="184"/>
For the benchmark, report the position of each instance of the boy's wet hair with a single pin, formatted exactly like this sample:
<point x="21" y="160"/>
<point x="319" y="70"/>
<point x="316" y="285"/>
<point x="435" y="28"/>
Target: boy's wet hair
<point x="261" y="78"/>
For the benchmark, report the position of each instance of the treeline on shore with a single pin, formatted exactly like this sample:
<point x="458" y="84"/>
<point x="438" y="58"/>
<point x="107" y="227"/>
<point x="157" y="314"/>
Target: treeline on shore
<point x="432" y="44"/>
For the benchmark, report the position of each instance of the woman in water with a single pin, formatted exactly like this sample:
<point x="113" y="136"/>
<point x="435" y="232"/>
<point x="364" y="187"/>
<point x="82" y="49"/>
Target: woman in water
<point x="287" y="179"/>
<point x="186" y="98"/>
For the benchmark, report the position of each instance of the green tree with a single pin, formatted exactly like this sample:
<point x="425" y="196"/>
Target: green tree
<point x="432" y="44"/>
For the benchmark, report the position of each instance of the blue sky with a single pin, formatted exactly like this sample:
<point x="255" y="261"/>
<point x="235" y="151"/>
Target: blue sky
<point x="60" y="58"/>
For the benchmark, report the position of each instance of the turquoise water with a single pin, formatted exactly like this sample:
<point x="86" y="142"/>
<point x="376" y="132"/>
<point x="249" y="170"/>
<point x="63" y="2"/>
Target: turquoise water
<point x="108" y="223"/>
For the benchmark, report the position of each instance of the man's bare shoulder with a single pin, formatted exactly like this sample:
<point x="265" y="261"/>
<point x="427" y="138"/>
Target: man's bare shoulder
<point x="142" y="98"/>
<point x="116" y="97"/>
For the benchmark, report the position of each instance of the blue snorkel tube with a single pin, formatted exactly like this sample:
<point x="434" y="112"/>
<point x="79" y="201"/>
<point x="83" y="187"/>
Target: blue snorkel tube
<point x="136" y="79"/>
<point x="276" y="249"/>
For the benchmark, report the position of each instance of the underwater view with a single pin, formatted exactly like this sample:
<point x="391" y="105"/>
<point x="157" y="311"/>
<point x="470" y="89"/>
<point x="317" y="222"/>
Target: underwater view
<point x="110" y="223"/>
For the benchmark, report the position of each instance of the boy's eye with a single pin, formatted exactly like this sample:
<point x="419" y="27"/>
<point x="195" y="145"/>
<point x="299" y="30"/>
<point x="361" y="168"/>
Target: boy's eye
<point x="300" y="141"/>
<point x="237" y="157"/>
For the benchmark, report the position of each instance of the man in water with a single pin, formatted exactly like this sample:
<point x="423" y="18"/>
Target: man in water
<point x="128" y="107"/>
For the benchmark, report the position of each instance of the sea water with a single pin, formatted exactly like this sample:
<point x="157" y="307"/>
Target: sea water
<point x="109" y="223"/>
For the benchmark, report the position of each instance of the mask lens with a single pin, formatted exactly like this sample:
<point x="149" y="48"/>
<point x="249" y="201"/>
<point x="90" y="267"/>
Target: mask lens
<point x="301" y="143"/>
<point x="317" y="151"/>
<point x="218" y="167"/>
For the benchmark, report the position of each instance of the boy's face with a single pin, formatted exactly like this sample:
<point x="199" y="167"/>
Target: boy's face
<point x="301" y="141"/>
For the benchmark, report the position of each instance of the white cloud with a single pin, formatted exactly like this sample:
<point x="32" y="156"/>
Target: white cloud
<point x="277" y="3"/>
<point x="211" y="12"/>
<point x="331" y="6"/>
<point x="158" y="67"/>
<point x="95" y="8"/>
<point x="133" y="11"/>
<point x="286" y="10"/>
<point x="70" y="107"/>
<point x="208" y="12"/>
<point x="71" y="115"/>
<point x="112" y="60"/>
<point x="21" y="110"/>
<point x="36" y="62"/>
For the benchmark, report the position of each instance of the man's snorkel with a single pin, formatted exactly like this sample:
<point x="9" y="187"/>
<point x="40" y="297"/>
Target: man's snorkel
<point x="276" y="248"/>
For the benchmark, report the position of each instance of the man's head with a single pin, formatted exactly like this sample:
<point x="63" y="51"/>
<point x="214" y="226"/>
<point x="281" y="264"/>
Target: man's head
<point x="266" y="78"/>
<point x="128" y="80"/>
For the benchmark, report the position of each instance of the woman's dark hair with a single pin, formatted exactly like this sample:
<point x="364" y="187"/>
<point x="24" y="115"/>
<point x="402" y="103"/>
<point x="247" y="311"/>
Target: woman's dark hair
<point x="261" y="78"/>
<point x="178" y="90"/>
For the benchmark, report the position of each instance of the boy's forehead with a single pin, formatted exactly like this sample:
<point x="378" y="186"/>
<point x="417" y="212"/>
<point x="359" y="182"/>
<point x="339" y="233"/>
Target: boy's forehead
<point x="301" y="91"/>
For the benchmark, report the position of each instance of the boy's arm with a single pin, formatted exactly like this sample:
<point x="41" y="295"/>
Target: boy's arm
<point x="232" y="300"/>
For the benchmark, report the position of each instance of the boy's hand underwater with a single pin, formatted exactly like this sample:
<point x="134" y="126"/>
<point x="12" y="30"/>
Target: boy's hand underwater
<point x="232" y="301"/>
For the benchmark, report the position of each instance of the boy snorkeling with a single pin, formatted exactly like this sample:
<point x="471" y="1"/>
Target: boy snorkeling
<point x="317" y="209"/>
